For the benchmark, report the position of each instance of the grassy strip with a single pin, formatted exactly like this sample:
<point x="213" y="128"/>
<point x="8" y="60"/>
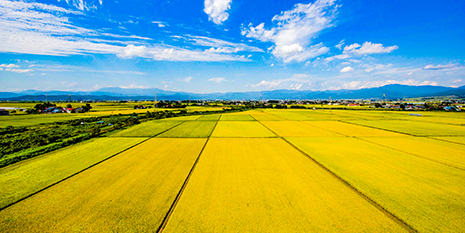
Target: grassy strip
<point x="29" y="153"/>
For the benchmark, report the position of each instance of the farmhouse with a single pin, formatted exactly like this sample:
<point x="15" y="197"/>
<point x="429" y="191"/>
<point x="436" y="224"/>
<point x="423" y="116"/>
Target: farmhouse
<point x="4" y="112"/>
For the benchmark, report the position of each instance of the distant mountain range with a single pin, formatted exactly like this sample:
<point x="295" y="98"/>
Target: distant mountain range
<point x="394" y="91"/>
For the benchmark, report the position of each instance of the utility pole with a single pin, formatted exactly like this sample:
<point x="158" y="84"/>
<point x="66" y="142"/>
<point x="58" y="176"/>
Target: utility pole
<point x="46" y="97"/>
<point x="189" y="101"/>
<point x="155" y="100"/>
<point x="69" y="98"/>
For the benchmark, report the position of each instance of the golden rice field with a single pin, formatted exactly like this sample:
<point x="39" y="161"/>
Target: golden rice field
<point x="267" y="170"/>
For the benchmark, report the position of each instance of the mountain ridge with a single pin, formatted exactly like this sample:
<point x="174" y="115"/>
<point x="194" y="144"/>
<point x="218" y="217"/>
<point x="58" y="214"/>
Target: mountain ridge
<point x="392" y="91"/>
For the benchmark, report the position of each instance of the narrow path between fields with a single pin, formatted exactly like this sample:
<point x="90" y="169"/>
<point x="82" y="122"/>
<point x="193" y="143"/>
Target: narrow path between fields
<point x="183" y="187"/>
<point x="347" y="184"/>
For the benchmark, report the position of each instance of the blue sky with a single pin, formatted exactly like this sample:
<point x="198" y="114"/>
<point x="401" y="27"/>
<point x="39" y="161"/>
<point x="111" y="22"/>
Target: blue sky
<point x="230" y="45"/>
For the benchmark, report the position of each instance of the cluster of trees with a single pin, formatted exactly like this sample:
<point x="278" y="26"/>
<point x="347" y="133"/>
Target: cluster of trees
<point x="19" y="143"/>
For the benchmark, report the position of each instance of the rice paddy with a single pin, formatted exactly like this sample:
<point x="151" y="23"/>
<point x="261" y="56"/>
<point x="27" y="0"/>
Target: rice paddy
<point x="257" y="171"/>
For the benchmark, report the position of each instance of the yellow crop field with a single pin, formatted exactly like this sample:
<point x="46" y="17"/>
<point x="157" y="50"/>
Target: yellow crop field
<point x="265" y="185"/>
<point x="215" y="117"/>
<point x="416" y="128"/>
<point x="263" y="116"/>
<point x="297" y="129"/>
<point x="234" y="129"/>
<point x="236" y="117"/>
<point x="22" y="179"/>
<point x="425" y="194"/>
<point x="435" y="150"/>
<point x="131" y="192"/>
<point x="460" y="140"/>
<point x="352" y="130"/>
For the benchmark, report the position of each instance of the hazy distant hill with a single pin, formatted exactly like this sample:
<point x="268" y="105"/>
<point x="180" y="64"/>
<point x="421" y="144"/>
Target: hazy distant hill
<point x="393" y="91"/>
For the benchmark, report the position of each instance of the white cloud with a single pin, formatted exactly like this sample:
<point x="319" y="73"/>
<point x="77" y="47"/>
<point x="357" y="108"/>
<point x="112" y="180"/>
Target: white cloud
<point x="19" y="70"/>
<point x="133" y="51"/>
<point x="1" y="69"/>
<point x="9" y="65"/>
<point x="410" y="73"/>
<point x="221" y="45"/>
<point x="34" y="28"/>
<point x="217" y="80"/>
<point x="369" y="48"/>
<point x="294" y="30"/>
<point x="267" y="84"/>
<point x="347" y="69"/>
<point x="296" y="86"/>
<point x="439" y="67"/>
<point x="340" y="57"/>
<point x="187" y="80"/>
<point x="216" y="10"/>
<point x="457" y="81"/>
<point x="134" y="86"/>
<point x="160" y="24"/>
<point x="341" y="43"/>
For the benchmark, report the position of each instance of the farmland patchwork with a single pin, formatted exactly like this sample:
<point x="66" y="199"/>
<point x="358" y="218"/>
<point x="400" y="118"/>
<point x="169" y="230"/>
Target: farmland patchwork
<point x="266" y="170"/>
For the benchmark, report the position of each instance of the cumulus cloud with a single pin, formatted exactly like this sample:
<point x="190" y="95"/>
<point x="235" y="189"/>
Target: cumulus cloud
<point x="347" y="69"/>
<point x="439" y="67"/>
<point x="294" y="30"/>
<point x="216" y="10"/>
<point x="217" y="80"/>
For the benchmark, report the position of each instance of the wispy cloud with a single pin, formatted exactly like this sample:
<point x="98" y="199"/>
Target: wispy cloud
<point x="294" y="30"/>
<point x="187" y="79"/>
<point x="9" y="65"/>
<point x="134" y="86"/>
<point x="369" y="48"/>
<point x="216" y="10"/>
<point x="217" y="80"/>
<point x="34" y="28"/>
<point x="439" y="67"/>
<point x="356" y="49"/>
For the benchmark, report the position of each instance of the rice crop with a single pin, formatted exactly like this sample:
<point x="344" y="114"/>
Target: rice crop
<point x="236" y="117"/>
<point x="427" y="195"/>
<point x="435" y="150"/>
<point x="24" y="178"/>
<point x="131" y="192"/>
<point x="192" y="129"/>
<point x="265" y="185"/>
<point x="297" y="129"/>
<point x="352" y="130"/>
<point x="235" y="129"/>
<point x="416" y="128"/>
